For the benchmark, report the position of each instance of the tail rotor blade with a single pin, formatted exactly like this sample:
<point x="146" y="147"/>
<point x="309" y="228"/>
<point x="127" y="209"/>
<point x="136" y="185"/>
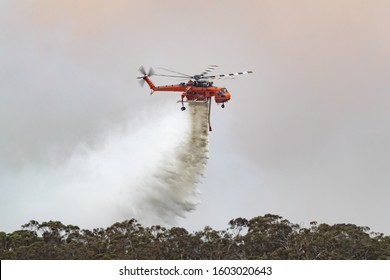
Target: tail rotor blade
<point x="142" y="82"/>
<point x="142" y="70"/>
<point x="151" y="72"/>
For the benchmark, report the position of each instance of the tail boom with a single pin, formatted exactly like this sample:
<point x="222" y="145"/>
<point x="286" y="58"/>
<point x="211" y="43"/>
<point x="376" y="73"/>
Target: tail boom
<point x="150" y="83"/>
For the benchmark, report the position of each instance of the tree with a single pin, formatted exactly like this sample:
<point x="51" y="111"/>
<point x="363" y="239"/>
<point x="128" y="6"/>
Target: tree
<point x="263" y="237"/>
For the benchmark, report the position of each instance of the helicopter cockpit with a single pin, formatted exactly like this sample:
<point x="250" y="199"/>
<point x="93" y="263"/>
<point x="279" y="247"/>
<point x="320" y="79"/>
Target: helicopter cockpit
<point x="222" y="92"/>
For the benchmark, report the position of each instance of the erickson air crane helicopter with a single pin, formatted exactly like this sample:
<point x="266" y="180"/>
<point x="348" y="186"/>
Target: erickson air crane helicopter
<point x="198" y="88"/>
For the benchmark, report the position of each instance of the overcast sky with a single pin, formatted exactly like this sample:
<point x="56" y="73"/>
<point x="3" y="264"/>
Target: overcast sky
<point x="307" y="136"/>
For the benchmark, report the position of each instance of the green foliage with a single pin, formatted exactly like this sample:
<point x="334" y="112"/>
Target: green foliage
<point x="263" y="237"/>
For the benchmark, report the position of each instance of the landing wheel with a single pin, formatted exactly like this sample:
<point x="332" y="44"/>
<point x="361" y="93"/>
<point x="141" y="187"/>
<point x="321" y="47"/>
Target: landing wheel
<point x="223" y="106"/>
<point x="183" y="108"/>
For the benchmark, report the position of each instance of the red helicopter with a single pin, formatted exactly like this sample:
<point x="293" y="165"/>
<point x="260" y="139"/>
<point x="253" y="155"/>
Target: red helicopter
<point x="198" y="88"/>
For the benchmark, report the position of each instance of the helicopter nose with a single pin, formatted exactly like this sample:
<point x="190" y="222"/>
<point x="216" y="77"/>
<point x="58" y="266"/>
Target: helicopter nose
<point x="227" y="95"/>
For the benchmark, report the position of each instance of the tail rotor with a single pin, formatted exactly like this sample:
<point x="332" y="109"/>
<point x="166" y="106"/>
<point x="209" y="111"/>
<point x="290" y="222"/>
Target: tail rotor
<point x="143" y="72"/>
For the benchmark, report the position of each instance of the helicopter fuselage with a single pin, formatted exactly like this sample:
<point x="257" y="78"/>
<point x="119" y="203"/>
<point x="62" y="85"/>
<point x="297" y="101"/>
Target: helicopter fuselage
<point x="194" y="90"/>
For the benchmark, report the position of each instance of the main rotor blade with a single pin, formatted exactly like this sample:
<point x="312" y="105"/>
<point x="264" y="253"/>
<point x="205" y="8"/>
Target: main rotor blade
<point x="188" y="76"/>
<point x="209" y="70"/>
<point x="227" y="75"/>
<point x="183" y="77"/>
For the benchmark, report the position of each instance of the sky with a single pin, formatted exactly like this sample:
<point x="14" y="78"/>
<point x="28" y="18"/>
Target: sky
<point x="306" y="136"/>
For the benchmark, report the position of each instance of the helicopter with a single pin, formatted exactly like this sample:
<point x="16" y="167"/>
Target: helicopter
<point x="198" y="89"/>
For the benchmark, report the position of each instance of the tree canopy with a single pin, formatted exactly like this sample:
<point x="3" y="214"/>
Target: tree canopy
<point x="268" y="237"/>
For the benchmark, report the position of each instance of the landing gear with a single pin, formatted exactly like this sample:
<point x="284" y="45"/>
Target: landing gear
<point x="183" y="108"/>
<point x="223" y="106"/>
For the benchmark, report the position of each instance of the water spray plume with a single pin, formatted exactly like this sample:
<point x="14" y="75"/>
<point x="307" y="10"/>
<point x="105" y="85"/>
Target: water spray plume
<point x="171" y="190"/>
<point x="147" y="169"/>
